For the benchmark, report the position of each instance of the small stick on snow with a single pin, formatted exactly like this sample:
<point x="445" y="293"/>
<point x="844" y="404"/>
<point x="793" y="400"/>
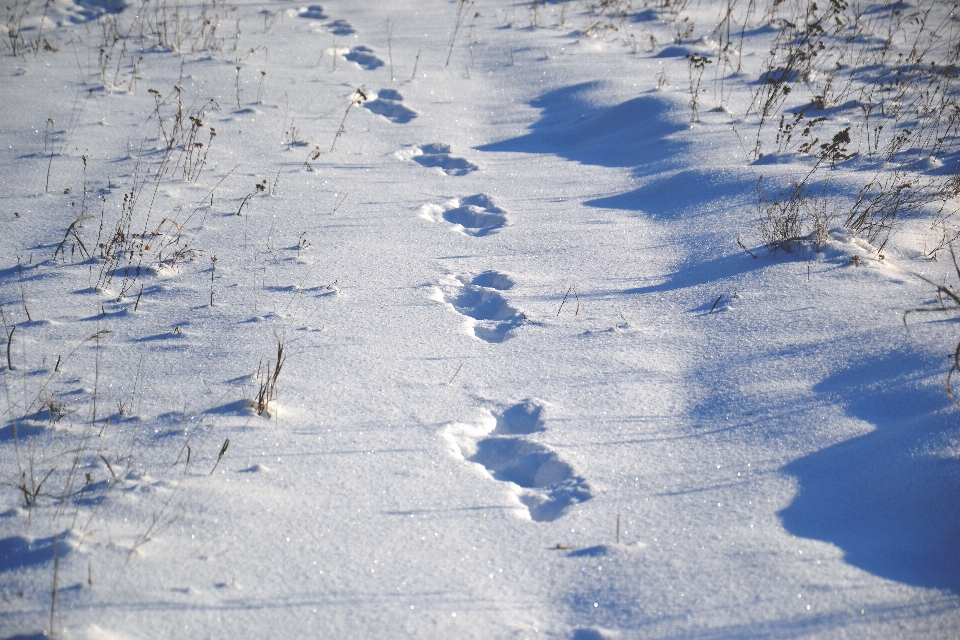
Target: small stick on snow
<point x="455" y="374"/>
<point x="744" y="247"/>
<point x="716" y="302"/>
<point x="223" y="450"/>
<point x="573" y="288"/>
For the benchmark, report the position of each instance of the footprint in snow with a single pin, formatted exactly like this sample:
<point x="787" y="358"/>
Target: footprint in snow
<point x="594" y="634"/>
<point x="490" y="317"/>
<point x="341" y="28"/>
<point x="364" y="57"/>
<point x="388" y="103"/>
<point x="474" y="215"/>
<point x="521" y="419"/>
<point x="493" y="280"/>
<point x="438" y="155"/>
<point x="313" y="12"/>
<point x="544" y="483"/>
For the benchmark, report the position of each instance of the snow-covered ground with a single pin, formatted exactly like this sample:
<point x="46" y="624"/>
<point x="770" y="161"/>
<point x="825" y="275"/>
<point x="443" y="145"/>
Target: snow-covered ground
<point x="539" y="373"/>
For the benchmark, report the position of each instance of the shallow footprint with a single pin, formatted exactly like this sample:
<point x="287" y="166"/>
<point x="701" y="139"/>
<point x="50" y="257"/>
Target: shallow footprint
<point x="388" y="104"/>
<point x="438" y="155"/>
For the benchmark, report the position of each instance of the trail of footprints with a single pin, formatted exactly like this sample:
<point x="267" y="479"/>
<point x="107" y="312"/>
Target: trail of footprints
<point x="361" y="55"/>
<point x="388" y="102"/>
<point x="489" y="316"/>
<point x="503" y="448"/>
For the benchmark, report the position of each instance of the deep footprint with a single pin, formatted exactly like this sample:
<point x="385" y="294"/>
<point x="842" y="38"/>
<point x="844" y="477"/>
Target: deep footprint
<point x="438" y="155"/>
<point x="523" y="418"/>
<point x="524" y="463"/>
<point x="341" y="28"/>
<point x="364" y="57"/>
<point x="388" y="104"/>
<point x="494" y="318"/>
<point x="313" y="12"/>
<point x="493" y="280"/>
<point x="548" y="484"/>
<point x="477" y="215"/>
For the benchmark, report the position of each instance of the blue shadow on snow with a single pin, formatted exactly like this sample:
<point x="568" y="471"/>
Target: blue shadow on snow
<point x="17" y="552"/>
<point x="630" y="134"/>
<point x="891" y="498"/>
<point x="681" y="191"/>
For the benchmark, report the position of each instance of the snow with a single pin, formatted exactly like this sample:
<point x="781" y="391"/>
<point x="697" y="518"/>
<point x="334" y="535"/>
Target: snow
<point x="530" y="384"/>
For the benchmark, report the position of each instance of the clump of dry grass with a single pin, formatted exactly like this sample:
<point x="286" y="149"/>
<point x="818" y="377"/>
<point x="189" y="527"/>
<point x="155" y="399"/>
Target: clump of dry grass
<point x="948" y="303"/>
<point x="267" y="376"/>
<point x="839" y="92"/>
<point x="794" y="215"/>
<point x="696" y="64"/>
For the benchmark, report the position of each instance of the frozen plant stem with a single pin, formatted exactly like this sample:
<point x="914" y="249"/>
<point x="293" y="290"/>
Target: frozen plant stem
<point x="573" y="288"/>
<point x="223" y="450"/>
<point x="697" y="63"/>
<point x="259" y="187"/>
<point x="715" y="303"/>
<point x="238" y="86"/>
<point x="357" y="99"/>
<point x="416" y="61"/>
<point x="338" y="203"/>
<point x="268" y="381"/>
<point x="390" y="47"/>
<point x="213" y="271"/>
<point x="263" y="74"/>
<point x="9" y="345"/>
<point x="461" y="14"/>
<point x="53" y="590"/>
<point x="46" y="189"/>
<point x="23" y="293"/>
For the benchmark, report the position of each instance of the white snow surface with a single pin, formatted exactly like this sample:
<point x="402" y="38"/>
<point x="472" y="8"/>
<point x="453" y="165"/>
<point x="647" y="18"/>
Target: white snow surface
<point x="531" y="387"/>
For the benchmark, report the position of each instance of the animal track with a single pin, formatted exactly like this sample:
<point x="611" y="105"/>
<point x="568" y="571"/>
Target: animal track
<point x="491" y="317"/>
<point x="544" y="483"/>
<point x="364" y="57"/>
<point x="438" y="155"/>
<point x="313" y="12"/>
<point x="388" y="104"/>
<point x="341" y="28"/>
<point x="475" y="215"/>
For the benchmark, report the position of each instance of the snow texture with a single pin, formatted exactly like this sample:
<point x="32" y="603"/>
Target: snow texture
<point x="377" y="320"/>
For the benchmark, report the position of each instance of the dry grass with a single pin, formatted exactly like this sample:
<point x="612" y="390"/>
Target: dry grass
<point x="267" y="376"/>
